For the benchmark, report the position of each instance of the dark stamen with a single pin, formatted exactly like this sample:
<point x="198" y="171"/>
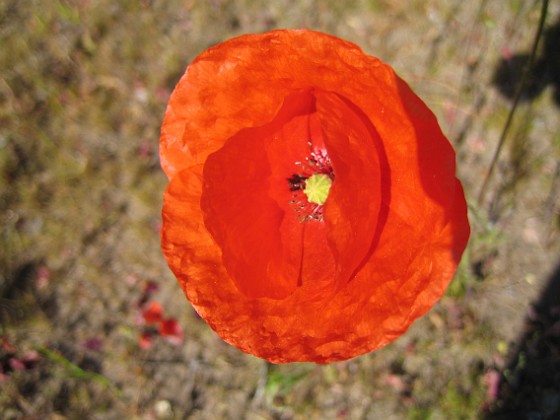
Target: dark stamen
<point x="297" y="182"/>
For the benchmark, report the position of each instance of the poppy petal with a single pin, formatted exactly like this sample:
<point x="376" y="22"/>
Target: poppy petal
<point x="243" y="202"/>
<point x="395" y="220"/>
<point x="352" y="211"/>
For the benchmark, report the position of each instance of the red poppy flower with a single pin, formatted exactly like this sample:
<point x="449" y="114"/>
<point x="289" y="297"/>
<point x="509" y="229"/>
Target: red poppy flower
<point x="313" y="211"/>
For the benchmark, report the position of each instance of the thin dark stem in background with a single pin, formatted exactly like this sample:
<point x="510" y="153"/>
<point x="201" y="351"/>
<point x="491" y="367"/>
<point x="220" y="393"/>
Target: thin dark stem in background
<point x="520" y="88"/>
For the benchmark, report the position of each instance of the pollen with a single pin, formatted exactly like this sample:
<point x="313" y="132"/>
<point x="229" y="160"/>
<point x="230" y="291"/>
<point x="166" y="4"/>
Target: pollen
<point x="317" y="188"/>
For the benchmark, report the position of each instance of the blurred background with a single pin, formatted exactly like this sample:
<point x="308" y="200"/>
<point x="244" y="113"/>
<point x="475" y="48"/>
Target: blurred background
<point x="85" y="292"/>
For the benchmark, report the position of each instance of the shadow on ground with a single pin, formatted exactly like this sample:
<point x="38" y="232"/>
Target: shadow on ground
<point x="530" y="382"/>
<point x="545" y="71"/>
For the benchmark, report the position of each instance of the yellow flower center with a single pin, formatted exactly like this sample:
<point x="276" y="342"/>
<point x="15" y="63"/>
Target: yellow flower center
<point x="317" y="188"/>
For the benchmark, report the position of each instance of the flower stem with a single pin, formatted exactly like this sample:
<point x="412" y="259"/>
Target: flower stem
<point x="519" y="92"/>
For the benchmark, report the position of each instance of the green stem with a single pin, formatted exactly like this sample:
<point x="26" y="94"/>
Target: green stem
<point x="519" y="92"/>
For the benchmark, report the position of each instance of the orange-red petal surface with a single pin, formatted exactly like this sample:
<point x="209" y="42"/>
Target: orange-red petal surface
<point x="352" y="212"/>
<point x="236" y="140"/>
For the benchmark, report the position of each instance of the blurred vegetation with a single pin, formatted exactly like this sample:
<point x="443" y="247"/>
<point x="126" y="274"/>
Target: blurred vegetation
<point x="83" y="89"/>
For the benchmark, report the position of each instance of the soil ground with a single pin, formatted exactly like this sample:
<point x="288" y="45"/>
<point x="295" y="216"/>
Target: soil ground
<point x="83" y="89"/>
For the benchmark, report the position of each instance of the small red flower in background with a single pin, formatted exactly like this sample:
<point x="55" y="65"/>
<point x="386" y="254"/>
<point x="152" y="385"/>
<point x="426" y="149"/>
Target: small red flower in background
<point x="152" y="313"/>
<point x="168" y="328"/>
<point x="313" y="211"/>
<point x="11" y="360"/>
<point x="151" y="316"/>
<point x="171" y="330"/>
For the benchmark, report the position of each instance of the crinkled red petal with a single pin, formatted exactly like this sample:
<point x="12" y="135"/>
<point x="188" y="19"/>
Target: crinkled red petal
<point x="246" y="198"/>
<point x="395" y="223"/>
<point x="352" y="210"/>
